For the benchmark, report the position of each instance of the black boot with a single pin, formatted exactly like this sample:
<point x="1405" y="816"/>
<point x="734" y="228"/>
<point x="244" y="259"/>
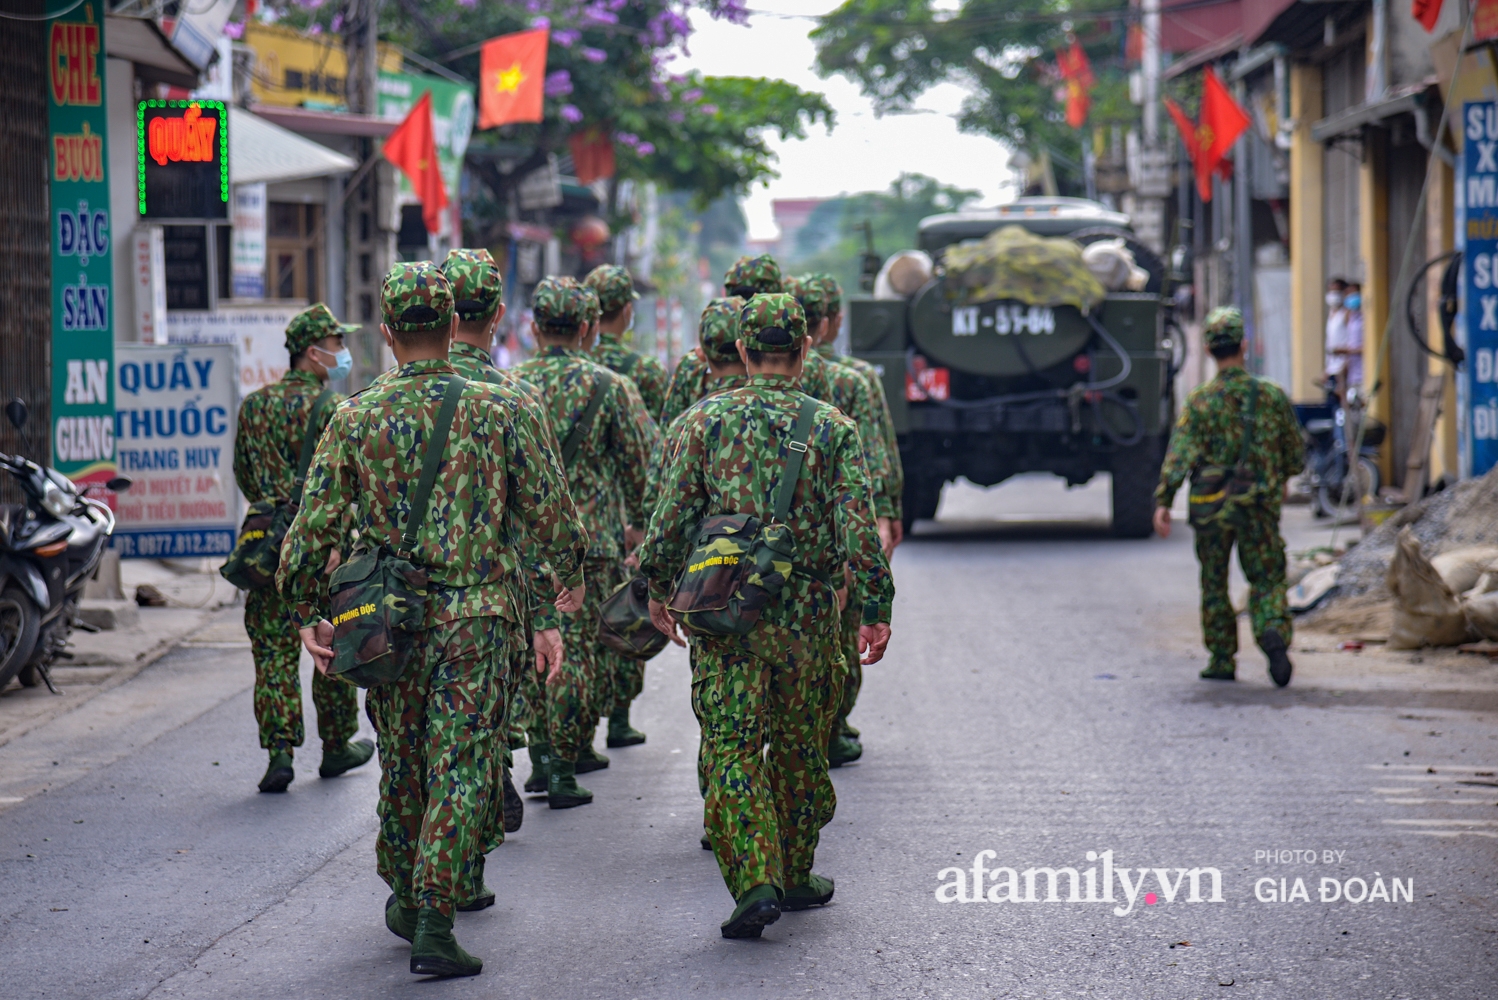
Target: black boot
<point x="1273" y="645"/>
<point x="514" y="805"/>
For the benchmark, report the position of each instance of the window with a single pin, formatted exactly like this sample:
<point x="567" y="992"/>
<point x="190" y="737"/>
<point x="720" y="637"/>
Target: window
<point x="294" y="250"/>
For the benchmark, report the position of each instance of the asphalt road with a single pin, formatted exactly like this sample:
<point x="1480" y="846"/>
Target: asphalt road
<point x="1039" y="701"/>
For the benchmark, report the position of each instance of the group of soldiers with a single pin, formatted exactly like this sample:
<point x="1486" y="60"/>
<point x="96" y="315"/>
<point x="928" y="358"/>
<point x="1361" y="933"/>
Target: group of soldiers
<point x="561" y="480"/>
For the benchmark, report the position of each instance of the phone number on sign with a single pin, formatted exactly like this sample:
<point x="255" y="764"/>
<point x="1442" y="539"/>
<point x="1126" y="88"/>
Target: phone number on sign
<point x="167" y="544"/>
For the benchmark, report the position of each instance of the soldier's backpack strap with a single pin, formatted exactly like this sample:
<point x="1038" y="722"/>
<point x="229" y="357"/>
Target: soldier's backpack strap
<point x="585" y="419"/>
<point x="630" y="360"/>
<point x="315" y="424"/>
<point x="798" y="446"/>
<point x="433" y="458"/>
<point x="1249" y="413"/>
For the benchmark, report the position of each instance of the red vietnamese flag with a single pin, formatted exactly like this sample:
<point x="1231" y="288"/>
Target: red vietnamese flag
<point x="413" y="148"/>
<point x="1207" y="143"/>
<point x="1076" y="70"/>
<point x="1427" y="12"/>
<point x="512" y="78"/>
<point x="592" y="155"/>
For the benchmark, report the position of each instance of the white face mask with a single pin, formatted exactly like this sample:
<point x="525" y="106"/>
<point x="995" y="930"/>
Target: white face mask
<point x="1334" y="300"/>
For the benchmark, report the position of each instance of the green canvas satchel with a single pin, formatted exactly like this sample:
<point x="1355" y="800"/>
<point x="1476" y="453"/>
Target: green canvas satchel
<point x="624" y="623"/>
<point x="257" y="552"/>
<point x="378" y="597"/>
<point x="738" y="563"/>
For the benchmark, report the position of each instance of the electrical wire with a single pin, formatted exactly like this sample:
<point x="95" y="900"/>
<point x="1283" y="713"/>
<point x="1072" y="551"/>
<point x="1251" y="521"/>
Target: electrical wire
<point x="41" y="17"/>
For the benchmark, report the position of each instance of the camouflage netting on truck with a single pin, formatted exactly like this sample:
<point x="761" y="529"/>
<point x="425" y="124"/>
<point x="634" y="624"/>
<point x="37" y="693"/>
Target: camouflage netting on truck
<point x="1011" y="263"/>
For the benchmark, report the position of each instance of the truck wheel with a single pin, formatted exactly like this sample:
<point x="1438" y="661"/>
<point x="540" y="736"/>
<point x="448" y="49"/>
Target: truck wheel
<point x="922" y="497"/>
<point x="1136" y="472"/>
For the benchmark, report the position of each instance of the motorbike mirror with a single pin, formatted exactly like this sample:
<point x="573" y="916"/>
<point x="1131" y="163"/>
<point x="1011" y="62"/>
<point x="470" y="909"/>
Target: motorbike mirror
<point x="120" y="484"/>
<point x="16" y="412"/>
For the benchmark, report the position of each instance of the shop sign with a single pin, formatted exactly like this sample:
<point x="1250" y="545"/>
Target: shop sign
<point x="174" y="427"/>
<point x="82" y="310"/>
<point x="1480" y="279"/>
<point x="182" y="159"/>
<point x="257" y="332"/>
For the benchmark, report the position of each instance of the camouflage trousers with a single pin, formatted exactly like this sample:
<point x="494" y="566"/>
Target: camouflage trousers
<point x="562" y="713"/>
<point x="850" y="672"/>
<point x="438" y="727"/>
<point x="277" y="649"/>
<point x="764" y="811"/>
<point x="610" y="668"/>
<point x="1261" y="553"/>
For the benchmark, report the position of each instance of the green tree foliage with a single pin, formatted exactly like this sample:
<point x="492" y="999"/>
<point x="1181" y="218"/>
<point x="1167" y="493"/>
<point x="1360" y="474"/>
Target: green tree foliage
<point x="1003" y="51"/>
<point x="606" y="68"/>
<point x="834" y="236"/>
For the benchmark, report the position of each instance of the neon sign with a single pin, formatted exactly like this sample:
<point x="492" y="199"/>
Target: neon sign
<point x="182" y="156"/>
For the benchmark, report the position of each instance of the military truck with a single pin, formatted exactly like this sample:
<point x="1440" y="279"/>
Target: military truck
<point x="988" y="389"/>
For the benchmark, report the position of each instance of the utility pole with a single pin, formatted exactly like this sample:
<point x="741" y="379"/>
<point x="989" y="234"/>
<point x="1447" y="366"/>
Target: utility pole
<point x="367" y="218"/>
<point x="1151" y="175"/>
<point x="1151" y="70"/>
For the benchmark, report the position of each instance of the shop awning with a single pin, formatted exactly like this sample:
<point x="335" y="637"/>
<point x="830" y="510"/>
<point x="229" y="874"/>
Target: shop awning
<point x="260" y="151"/>
<point x="139" y="40"/>
<point x="1399" y="100"/>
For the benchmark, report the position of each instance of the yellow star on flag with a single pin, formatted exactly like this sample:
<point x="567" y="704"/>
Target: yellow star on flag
<point x="509" y="80"/>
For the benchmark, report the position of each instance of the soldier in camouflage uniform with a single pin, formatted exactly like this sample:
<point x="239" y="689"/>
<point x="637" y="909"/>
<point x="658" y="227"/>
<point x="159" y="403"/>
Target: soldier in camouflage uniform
<point x="762" y="699"/>
<point x="438" y="724"/>
<point x="751" y="276"/>
<point x="1209" y="433"/>
<point x="852" y="394"/>
<point x="267" y="447"/>
<point x="608" y="468"/>
<point x="616" y="299"/>
<point x="713" y="365"/>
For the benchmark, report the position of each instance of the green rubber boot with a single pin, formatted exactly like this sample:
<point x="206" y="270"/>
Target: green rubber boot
<point x="347" y="757"/>
<point x="815" y="891"/>
<point x="434" y="950"/>
<point x="400" y="919"/>
<point x="562" y="789"/>
<point x="1219" y="672"/>
<point x="841" y="750"/>
<point x="759" y="908"/>
<point x="279" y="774"/>
<point x="483" y="896"/>
<point x="540" y="757"/>
<point x="589" y="759"/>
<point x="621" y="733"/>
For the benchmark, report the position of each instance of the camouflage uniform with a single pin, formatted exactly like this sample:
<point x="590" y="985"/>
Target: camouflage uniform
<point x="1209" y="431"/>
<point x="616" y="289"/>
<point x="272" y="423"/>
<point x="608" y="469"/>
<point x="751" y="276"/>
<point x="771" y="688"/>
<point x="498" y="481"/>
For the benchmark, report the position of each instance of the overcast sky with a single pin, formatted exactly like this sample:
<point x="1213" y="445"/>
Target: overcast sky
<point x="862" y="153"/>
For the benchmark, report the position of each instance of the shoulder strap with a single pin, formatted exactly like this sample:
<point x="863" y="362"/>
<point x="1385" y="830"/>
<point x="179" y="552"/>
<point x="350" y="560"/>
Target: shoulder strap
<point x="309" y="443"/>
<point x="799" y="437"/>
<point x="1248" y="420"/>
<point x="585" y="419"/>
<point x="433" y="458"/>
<point x="630" y="360"/>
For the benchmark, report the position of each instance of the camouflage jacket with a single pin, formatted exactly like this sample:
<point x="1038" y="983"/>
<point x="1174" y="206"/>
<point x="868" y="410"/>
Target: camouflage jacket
<point x="729" y="456"/>
<point x="610" y="468"/>
<point x="496" y="461"/>
<point x="475" y="364"/>
<point x="649" y="375"/>
<point x="892" y="494"/>
<point x="845" y="389"/>
<point x="272" y="423"/>
<point x="688" y="384"/>
<point x="665" y="450"/>
<point x="1209" y="431"/>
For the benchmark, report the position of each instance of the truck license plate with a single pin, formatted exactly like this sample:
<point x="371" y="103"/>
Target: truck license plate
<point x="1003" y="318"/>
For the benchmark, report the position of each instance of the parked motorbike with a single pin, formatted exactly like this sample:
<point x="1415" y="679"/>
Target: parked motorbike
<point x="50" y="547"/>
<point x="1335" y="481"/>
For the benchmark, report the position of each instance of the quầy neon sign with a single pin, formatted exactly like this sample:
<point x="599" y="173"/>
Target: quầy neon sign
<point x="182" y="150"/>
<point x="189" y="137"/>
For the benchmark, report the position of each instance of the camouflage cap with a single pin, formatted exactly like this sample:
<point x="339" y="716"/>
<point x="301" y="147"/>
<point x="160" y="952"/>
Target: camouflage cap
<point x="313" y="324"/>
<point x="416" y="298"/>
<point x="1224" y="327"/>
<point x="556" y="304"/>
<point x="756" y="275"/>
<point x="592" y="310"/>
<point x="719" y="328"/>
<point x="614" y="285"/>
<point x="810" y="293"/>
<point x="478" y="288"/>
<point x="772" y="322"/>
<point x="832" y="292"/>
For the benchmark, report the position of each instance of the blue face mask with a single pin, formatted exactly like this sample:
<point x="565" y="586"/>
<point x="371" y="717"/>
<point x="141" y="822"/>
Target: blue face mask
<point x="343" y="363"/>
<point x="1353" y="301"/>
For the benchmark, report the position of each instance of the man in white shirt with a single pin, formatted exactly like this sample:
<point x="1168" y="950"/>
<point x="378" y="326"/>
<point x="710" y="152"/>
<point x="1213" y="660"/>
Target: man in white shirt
<point x="1336" y="323"/>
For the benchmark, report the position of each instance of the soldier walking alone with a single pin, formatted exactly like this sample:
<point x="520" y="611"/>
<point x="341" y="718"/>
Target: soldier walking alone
<point x="1238" y="441"/>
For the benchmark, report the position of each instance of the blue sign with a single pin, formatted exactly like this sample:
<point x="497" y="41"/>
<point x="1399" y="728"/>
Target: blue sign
<point x="1480" y="278"/>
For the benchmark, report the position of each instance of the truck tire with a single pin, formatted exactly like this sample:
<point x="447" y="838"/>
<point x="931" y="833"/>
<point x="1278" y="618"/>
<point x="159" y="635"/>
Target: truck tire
<point x="922" y="497"/>
<point x="1136" y="472"/>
